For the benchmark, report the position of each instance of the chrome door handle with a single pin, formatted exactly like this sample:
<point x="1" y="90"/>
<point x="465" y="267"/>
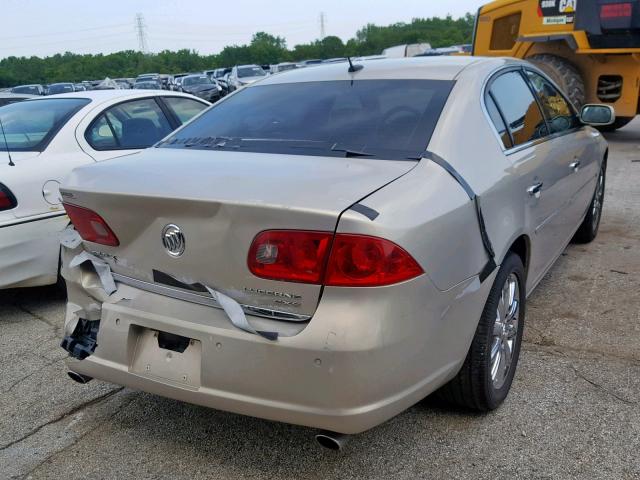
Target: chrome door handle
<point x="575" y="165"/>
<point x="535" y="189"/>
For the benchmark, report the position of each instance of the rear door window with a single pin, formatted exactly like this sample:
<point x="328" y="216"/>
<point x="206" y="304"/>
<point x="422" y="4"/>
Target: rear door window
<point x="560" y="114"/>
<point x="519" y="107"/>
<point x="184" y="108"/>
<point x="134" y="124"/>
<point x="100" y="136"/>
<point x="498" y="122"/>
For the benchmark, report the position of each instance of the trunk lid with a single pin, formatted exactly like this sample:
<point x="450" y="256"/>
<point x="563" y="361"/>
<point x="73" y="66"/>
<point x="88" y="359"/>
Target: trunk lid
<point x="221" y="201"/>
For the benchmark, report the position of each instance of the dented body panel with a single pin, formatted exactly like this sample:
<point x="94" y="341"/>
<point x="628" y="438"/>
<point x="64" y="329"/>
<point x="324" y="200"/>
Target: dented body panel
<point x="29" y="251"/>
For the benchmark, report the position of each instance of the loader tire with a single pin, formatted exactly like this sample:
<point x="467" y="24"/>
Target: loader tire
<point x="565" y="74"/>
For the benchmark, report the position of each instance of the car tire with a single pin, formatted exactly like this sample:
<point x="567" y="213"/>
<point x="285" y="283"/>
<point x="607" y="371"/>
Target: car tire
<point x="483" y="382"/>
<point x="588" y="229"/>
<point x="564" y="74"/>
<point x="617" y="124"/>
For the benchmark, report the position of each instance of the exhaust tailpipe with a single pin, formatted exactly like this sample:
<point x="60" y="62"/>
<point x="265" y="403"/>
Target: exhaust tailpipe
<point x="332" y="440"/>
<point x="78" y="377"/>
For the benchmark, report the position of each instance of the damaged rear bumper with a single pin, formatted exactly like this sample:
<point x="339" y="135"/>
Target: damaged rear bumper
<point x="358" y="362"/>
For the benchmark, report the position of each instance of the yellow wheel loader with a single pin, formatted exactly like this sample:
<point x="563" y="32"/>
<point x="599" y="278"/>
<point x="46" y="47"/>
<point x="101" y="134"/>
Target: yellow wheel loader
<point x="591" y="48"/>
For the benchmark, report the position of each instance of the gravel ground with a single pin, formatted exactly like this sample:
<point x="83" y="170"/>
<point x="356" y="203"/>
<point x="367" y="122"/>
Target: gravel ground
<point x="573" y="412"/>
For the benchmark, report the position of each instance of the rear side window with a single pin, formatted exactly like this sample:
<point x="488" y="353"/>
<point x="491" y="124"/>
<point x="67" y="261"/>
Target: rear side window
<point x="520" y="109"/>
<point x="184" y="108"/>
<point x="560" y="115"/>
<point x="497" y="120"/>
<point x="130" y="125"/>
<point x="391" y="119"/>
<point x="505" y="32"/>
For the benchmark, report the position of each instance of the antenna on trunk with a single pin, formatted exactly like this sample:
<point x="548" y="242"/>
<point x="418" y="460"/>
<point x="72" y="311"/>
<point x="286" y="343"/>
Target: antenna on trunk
<point x="6" y="145"/>
<point x="353" y="68"/>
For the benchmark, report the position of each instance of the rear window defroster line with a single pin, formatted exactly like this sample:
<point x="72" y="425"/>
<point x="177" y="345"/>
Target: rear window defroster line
<point x="490" y="266"/>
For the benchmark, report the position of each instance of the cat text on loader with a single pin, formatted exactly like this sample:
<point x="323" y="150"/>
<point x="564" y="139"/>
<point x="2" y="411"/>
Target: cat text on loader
<point x="591" y="48"/>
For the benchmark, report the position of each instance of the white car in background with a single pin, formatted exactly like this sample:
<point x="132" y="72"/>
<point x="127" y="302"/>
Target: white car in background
<point x="243" y="75"/>
<point x="7" y="98"/>
<point x="48" y="137"/>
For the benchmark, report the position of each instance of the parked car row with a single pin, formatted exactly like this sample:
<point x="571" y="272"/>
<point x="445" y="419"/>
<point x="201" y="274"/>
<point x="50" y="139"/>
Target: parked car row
<point x="226" y="80"/>
<point x="68" y="87"/>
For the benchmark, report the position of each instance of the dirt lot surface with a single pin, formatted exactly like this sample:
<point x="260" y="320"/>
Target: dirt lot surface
<point x="573" y="412"/>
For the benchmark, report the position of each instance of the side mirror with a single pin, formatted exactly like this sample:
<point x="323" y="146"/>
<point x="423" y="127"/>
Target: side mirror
<point x="597" y="115"/>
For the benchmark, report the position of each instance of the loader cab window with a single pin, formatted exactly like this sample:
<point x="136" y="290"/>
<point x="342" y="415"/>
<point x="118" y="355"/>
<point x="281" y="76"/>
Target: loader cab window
<point x="560" y="115"/>
<point x="519" y="108"/>
<point x="505" y="32"/>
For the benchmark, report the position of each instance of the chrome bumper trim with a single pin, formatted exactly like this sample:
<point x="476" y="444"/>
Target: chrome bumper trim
<point x="201" y="299"/>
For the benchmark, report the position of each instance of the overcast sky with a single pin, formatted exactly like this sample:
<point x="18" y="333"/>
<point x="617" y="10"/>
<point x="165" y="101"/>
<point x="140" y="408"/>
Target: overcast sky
<point x="46" y="27"/>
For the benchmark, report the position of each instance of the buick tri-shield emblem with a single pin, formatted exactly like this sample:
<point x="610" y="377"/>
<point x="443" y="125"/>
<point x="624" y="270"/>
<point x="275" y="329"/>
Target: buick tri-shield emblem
<point x="173" y="240"/>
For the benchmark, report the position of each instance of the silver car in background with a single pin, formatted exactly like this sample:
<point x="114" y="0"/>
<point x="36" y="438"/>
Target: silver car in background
<point x="328" y="247"/>
<point x="243" y="75"/>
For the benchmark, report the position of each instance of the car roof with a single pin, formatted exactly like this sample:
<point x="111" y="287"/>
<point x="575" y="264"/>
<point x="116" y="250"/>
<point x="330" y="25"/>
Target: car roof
<point x="17" y="95"/>
<point x="418" y="68"/>
<point x="101" y="96"/>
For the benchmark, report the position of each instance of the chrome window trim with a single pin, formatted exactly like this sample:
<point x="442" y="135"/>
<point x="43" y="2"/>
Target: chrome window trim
<point x="202" y="299"/>
<point x="523" y="146"/>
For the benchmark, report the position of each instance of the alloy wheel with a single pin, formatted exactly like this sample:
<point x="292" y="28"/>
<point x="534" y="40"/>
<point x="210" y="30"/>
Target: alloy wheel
<point x="505" y="331"/>
<point x="598" y="201"/>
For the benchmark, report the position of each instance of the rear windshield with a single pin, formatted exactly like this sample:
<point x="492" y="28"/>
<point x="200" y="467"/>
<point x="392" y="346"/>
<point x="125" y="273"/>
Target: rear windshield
<point x="30" y="126"/>
<point x="31" y="90"/>
<point x="53" y="89"/>
<point x="250" y="72"/>
<point x="196" y="80"/>
<point x="390" y="119"/>
<point x="147" y="86"/>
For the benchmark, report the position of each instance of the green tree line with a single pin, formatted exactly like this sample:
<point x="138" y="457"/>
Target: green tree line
<point x="263" y="49"/>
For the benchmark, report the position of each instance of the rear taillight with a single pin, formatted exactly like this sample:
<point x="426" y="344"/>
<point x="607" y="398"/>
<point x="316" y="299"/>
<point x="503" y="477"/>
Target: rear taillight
<point x="91" y="226"/>
<point x="7" y="200"/>
<point x="616" y="10"/>
<point x="344" y="260"/>
<point x="362" y="261"/>
<point x="290" y="255"/>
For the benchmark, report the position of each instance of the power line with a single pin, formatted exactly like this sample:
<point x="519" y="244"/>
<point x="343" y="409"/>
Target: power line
<point x="67" y="32"/>
<point x="142" y="34"/>
<point x="76" y="41"/>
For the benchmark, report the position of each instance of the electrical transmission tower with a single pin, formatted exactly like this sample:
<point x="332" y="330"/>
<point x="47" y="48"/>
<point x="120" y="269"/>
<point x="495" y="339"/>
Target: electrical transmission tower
<point x="141" y="33"/>
<point x="323" y="21"/>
